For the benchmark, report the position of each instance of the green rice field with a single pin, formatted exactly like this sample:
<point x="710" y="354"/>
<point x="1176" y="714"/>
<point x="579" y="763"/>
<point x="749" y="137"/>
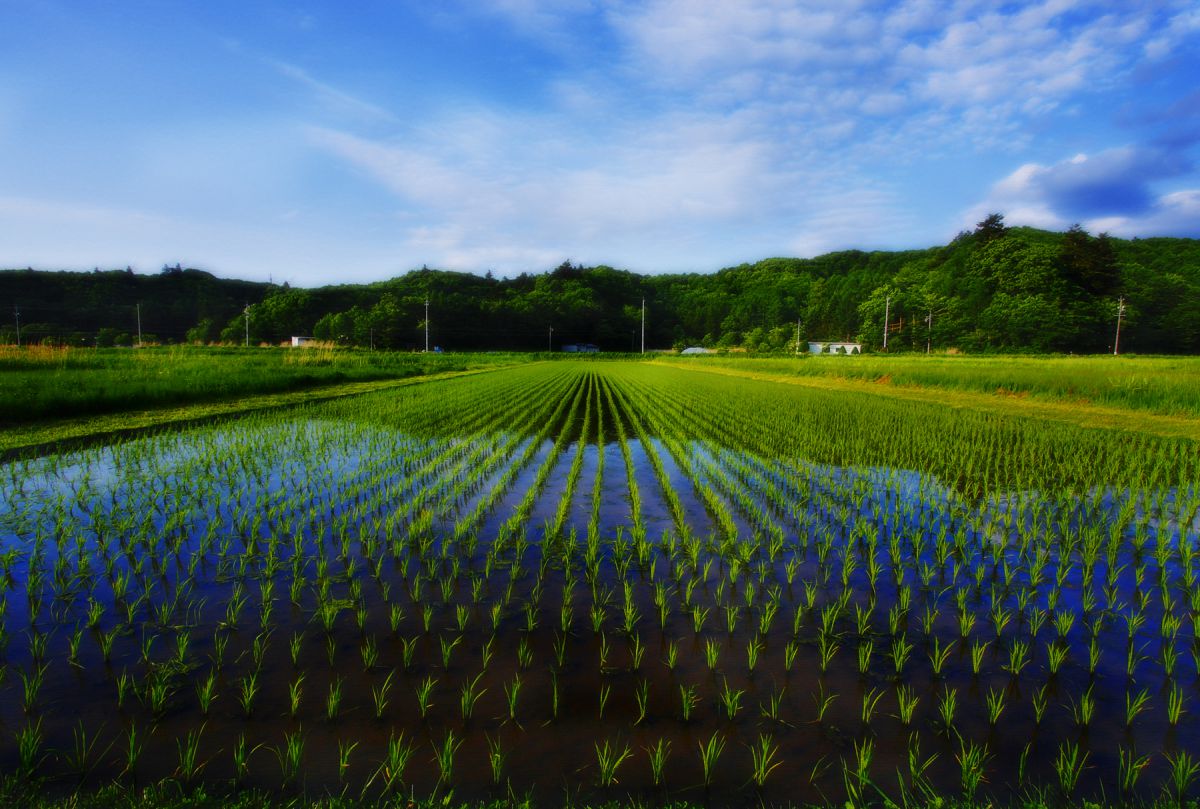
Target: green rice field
<point x="589" y="581"/>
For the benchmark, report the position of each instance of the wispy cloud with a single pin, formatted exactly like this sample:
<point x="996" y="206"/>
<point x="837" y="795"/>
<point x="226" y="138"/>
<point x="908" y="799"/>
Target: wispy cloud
<point x="339" y="101"/>
<point x="654" y="134"/>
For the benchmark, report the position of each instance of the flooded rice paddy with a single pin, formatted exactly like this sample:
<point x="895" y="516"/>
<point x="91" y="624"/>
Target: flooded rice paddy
<point x="591" y="581"/>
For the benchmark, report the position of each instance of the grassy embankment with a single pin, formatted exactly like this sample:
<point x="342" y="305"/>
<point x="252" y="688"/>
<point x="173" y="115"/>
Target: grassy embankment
<point x="53" y="395"/>
<point x="1155" y="395"/>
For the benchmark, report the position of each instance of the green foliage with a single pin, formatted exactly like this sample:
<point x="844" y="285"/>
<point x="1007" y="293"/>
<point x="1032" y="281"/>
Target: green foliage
<point x="998" y="288"/>
<point x="43" y="383"/>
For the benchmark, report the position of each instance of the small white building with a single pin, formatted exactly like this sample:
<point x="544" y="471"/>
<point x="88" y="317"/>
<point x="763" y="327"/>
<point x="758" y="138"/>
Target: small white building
<point x="299" y="342"/>
<point x="691" y="350"/>
<point x="835" y="348"/>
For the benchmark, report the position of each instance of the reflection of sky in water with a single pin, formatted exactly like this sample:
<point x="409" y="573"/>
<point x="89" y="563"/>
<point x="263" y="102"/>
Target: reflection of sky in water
<point x="183" y="479"/>
<point x="321" y="481"/>
<point x="188" y="478"/>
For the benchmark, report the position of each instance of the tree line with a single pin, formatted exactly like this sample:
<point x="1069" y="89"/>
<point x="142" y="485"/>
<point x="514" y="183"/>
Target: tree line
<point x="994" y="288"/>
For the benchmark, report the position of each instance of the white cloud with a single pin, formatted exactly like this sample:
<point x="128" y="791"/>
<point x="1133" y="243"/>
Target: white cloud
<point x="1110" y="191"/>
<point x="1182" y="26"/>
<point x="757" y="118"/>
<point x="543" y="189"/>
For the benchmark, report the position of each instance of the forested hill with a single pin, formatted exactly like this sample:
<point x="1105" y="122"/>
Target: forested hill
<point x="996" y="288"/>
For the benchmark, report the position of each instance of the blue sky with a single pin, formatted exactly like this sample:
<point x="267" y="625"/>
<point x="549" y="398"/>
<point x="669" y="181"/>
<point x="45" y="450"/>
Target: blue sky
<point x="308" y="143"/>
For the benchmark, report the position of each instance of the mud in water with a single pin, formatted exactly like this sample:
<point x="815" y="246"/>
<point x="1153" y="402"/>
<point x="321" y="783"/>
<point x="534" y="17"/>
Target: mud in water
<point x="133" y="554"/>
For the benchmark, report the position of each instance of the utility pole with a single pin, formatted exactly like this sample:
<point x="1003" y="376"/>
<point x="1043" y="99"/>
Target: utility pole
<point x="138" y="306"/>
<point x="17" y="315"/>
<point x="1120" y="314"/>
<point x="928" y="330"/>
<point x="887" y="312"/>
<point x="643" y="325"/>
<point x="246" y="311"/>
<point x="797" y="337"/>
<point x="550" y="341"/>
<point x="427" y="325"/>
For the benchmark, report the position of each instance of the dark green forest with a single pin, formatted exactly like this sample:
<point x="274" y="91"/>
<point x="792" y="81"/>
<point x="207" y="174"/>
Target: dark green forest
<point x="993" y="289"/>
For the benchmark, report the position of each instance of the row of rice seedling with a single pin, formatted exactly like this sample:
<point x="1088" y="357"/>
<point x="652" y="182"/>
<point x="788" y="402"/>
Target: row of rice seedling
<point x="423" y="590"/>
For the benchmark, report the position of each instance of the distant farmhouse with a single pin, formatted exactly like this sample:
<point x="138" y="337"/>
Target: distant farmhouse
<point x="581" y="348"/>
<point x="835" y="348"/>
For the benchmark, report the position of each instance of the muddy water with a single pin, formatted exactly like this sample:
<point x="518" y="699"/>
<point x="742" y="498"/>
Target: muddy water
<point x="550" y="746"/>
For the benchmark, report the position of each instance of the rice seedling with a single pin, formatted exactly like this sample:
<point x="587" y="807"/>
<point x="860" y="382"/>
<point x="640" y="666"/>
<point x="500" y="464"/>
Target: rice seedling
<point x="1069" y="764"/>
<point x="731" y="700"/>
<point x="81" y="757"/>
<point x="363" y="524"/>
<point x="1134" y="705"/>
<point x="241" y="758"/>
<point x="688" y="700"/>
<point x="870" y="701"/>
<point x="1183" y="771"/>
<point x="641" y="695"/>
<point x="132" y="751"/>
<point x="188" y="749"/>
<point x="658" y="755"/>
<point x="1039" y="699"/>
<point x="29" y="748"/>
<point x="447" y="648"/>
<point x="608" y="759"/>
<point x="972" y="759"/>
<point x="391" y="769"/>
<point x="636" y="651"/>
<point x="496" y="759"/>
<point x="524" y="654"/>
<point x="1018" y="657"/>
<point x="938" y="656"/>
<point x="290" y="755"/>
<point x="995" y="705"/>
<point x="710" y="753"/>
<point x="764" y="759"/>
<point x="906" y="703"/>
<point x="1085" y="709"/>
<point x="712" y="654"/>
<point x="823" y="701"/>
<point x="826" y="649"/>
<point x="773" y="707"/>
<point x="344" y="752"/>
<point x="672" y="656"/>
<point x="753" y="647"/>
<point x="901" y="650"/>
<point x="248" y="690"/>
<point x="1130" y="766"/>
<point x="947" y="707"/>
<point x="31" y="685"/>
<point x="444" y="756"/>
<point x="864" y="752"/>
<point x="469" y="695"/>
